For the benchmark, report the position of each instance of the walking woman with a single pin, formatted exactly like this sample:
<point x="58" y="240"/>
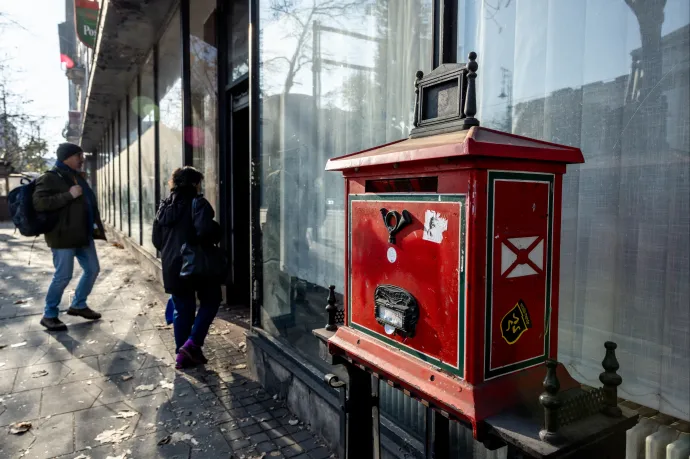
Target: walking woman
<point x="185" y="217"/>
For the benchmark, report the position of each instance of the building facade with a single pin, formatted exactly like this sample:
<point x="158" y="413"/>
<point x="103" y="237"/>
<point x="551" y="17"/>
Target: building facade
<point x="258" y="94"/>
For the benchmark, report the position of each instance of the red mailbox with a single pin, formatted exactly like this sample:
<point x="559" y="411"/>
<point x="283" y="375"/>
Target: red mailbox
<point x="452" y="255"/>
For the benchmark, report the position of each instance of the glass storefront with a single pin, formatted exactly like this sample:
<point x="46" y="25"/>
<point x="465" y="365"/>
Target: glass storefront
<point x="148" y="111"/>
<point x="334" y="80"/>
<point x="338" y="77"/>
<point x="170" y="103"/>
<point x="124" y="169"/>
<point x="614" y="80"/>
<point x="133" y="130"/>
<point x="202" y="135"/>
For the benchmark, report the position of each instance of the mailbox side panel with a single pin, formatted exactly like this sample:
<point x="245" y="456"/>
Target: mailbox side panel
<point x="519" y="270"/>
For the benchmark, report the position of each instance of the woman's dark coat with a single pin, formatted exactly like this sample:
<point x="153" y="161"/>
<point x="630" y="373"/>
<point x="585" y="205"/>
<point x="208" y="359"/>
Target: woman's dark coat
<point x="174" y="226"/>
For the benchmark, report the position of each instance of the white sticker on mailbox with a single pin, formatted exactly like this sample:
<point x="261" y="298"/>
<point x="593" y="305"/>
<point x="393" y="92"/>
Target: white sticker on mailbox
<point x="434" y="226"/>
<point x="392" y="254"/>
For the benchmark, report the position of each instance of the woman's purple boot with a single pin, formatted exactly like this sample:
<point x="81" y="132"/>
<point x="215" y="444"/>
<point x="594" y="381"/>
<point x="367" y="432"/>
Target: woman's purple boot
<point x="193" y="353"/>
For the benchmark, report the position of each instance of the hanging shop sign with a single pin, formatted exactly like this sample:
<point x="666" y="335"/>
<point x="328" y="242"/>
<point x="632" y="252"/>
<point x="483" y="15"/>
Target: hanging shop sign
<point x="86" y="21"/>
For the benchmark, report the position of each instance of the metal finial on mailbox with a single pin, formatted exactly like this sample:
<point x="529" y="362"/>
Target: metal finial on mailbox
<point x="551" y="403"/>
<point x="471" y="97"/>
<point x="331" y="309"/>
<point x="611" y="380"/>
<point x="418" y="77"/>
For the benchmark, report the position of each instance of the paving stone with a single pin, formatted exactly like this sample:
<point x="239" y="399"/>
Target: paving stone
<point x="292" y="450"/>
<point x="310" y="444"/>
<point x="93" y="421"/>
<point x="20" y="357"/>
<point x="66" y="398"/>
<point x="21" y="406"/>
<point x="157" y="356"/>
<point x="53" y="437"/>
<point x="212" y="444"/>
<point x="7" y="381"/>
<point x="283" y="441"/>
<point x="121" y="362"/>
<point x="320" y="453"/>
<point x="27" y="378"/>
<point x="302" y="435"/>
<point x="266" y="447"/>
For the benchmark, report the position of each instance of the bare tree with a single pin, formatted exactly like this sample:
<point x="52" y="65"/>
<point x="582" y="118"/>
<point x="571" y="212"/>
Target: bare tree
<point x="301" y="16"/>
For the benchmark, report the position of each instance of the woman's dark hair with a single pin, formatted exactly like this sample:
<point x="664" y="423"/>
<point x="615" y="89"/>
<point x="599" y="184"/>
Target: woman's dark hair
<point x="185" y="178"/>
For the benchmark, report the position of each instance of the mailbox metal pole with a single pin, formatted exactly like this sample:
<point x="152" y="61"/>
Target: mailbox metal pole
<point x="360" y="444"/>
<point x="437" y="435"/>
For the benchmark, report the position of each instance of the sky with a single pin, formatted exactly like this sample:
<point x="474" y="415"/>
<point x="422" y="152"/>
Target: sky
<point x="30" y="39"/>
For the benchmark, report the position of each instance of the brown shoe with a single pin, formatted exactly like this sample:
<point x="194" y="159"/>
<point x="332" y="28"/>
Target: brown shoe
<point x="86" y="313"/>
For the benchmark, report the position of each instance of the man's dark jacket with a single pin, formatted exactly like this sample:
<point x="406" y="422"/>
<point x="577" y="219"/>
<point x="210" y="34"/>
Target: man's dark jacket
<point x="52" y="195"/>
<point x="174" y="226"/>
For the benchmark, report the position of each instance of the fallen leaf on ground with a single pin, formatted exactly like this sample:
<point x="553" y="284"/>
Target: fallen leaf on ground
<point x="2" y="364"/>
<point x="113" y="436"/>
<point x="2" y="346"/>
<point x="293" y="422"/>
<point x="243" y="346"/>
<point x="83" y="456"/>
<point x="167" y="385"/>
<point x="23" y="343"/>
<point x="179" y="436"/>
<point x="39" y="373"/>
<point x="137" y="298"/>
<point x="117" y="245"/>
<point x="91" y="341"/>
<point x="145" y="387"/>
<point x="241" y="366"/>
<point x="19" y="428"/>
<point x="165" y="440"/>
<point x="125" y="414"/>
<point x="24" y="301"/>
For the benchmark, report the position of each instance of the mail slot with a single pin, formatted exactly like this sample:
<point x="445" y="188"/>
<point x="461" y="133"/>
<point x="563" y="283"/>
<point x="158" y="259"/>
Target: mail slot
<point x="452" y="260"/>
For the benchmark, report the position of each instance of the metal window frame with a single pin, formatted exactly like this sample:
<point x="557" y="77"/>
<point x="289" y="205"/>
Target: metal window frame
<point x="187" y="116"/>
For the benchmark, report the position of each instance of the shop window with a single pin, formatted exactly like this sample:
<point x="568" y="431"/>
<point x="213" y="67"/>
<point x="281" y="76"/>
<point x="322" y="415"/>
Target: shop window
<point x="170" y="103"/>
<point x="202" y="136"/>
<point x="133" y="130"/>
<point x="336" y="78"/>
<point x="125" y="184"/>
<point x="115" y="173"/>
<point x="148" y="111"/>
<point x="612" y="78"/>
<point x="238" y="40"/>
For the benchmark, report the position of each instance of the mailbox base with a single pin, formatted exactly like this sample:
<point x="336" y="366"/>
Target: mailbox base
<point x="434" y="387"/>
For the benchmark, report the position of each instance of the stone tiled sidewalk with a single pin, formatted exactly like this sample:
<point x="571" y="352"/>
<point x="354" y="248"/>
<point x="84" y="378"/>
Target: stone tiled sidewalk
<point x="108" y="388"/>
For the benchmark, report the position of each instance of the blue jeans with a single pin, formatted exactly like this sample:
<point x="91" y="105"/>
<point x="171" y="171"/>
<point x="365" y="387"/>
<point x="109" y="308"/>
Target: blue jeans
<point x="187" y="323"/>
<point x="63" y="260"/>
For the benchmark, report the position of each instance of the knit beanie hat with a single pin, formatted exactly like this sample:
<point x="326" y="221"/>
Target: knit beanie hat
<point x="65" y="150"/>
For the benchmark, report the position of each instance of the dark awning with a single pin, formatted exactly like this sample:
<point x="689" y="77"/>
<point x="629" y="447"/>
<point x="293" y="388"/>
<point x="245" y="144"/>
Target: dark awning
<point x="127" y="31"/>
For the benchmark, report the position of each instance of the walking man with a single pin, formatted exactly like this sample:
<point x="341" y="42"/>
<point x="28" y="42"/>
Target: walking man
<point x="63" y="190"/>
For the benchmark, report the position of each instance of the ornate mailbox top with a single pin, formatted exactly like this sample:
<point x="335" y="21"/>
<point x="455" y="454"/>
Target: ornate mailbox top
<point x="475" y="142"/>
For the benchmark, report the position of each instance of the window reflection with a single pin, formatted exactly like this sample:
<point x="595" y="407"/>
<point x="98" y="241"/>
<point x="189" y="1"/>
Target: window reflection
<point x="148" y="111"/>
<point x="337" y="77"/>
<point x="124" y="169"/>
<point x="238" y="40"/>
<point x="170" y="102"/>
<point x="612" y="78"/>
<point x="204" y="84"/>
<point x="134" y="204"/>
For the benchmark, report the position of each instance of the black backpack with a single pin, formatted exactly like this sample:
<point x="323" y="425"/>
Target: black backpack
<point x="28" y="221"/>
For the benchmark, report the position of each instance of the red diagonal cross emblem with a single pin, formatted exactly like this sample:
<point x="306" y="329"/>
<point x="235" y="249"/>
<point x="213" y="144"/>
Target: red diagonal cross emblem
<point x="522" y="255"/>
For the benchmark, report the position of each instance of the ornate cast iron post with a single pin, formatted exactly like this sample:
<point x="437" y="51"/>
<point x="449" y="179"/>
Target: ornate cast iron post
<point x="611" y="380"/>
<point x="551" y="403"/>
<point x="331" y="309"/>
<point x="471" y="101"/>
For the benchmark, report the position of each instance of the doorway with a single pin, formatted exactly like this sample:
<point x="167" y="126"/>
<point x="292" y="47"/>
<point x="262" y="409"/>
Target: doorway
<point x="238" y="228"/>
